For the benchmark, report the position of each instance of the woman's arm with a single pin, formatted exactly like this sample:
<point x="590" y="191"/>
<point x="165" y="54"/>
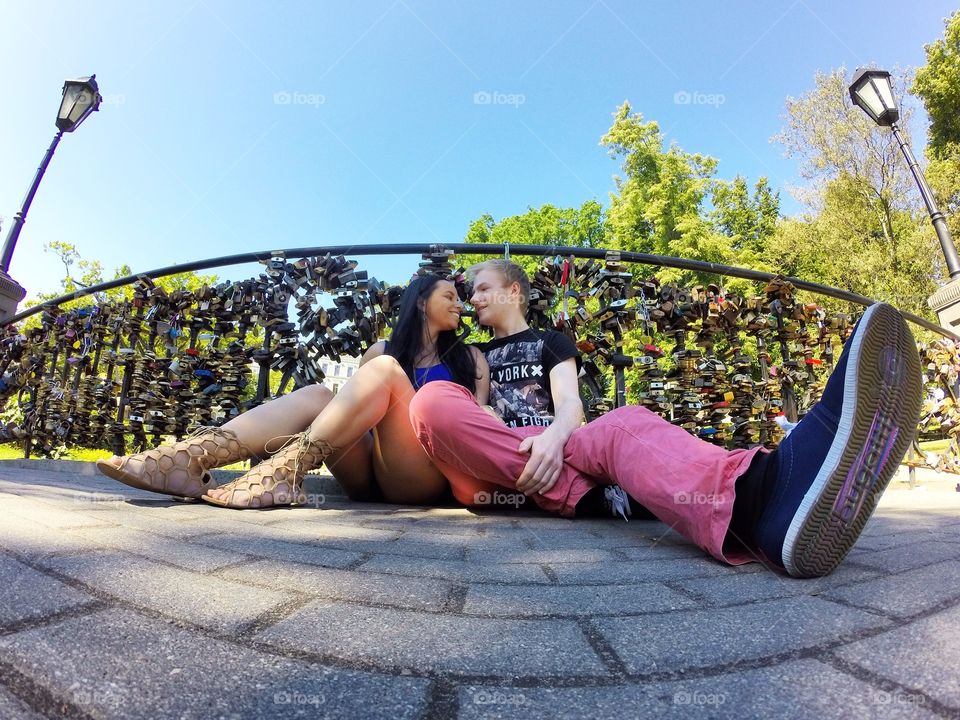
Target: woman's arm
<point x="483" y="376"/>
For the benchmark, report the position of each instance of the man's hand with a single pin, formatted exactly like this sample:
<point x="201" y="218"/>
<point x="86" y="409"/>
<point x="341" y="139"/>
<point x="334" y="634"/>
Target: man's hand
<point x="546" y="461"/>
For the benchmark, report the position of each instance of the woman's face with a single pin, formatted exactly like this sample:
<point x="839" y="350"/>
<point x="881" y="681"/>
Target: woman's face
<point x="443" y="307"/>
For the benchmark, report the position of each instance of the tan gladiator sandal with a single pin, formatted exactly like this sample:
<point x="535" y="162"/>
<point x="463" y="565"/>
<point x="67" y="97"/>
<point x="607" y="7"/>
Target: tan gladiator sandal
<point x="276" y="481"/>
<point x="180" y="469"/>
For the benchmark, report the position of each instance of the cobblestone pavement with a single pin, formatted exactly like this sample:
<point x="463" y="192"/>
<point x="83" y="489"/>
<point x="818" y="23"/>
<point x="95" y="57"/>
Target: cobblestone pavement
<point x="119" y="603"/>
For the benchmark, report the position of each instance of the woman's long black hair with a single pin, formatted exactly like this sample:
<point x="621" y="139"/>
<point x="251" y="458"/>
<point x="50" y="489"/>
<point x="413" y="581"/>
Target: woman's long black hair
<point x="407" y="339"/>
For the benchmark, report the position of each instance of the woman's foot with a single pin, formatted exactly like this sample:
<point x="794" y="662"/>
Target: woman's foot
<point x="276" y="481"/>
<point x="181" y="469"/>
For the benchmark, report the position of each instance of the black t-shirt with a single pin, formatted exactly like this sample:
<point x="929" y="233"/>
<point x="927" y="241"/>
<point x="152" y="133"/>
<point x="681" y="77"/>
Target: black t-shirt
<point x="520" y="366"/>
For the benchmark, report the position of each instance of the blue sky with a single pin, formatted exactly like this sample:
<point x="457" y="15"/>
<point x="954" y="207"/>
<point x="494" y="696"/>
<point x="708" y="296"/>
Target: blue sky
<point x="232" y="127"/>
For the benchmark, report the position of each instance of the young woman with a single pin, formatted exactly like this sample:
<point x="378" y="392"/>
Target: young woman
<point x="387" y="463"/>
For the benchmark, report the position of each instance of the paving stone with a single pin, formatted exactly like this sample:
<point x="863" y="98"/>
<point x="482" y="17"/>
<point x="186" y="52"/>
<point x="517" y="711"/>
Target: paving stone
<point x="455" y="570"/>
<point x="519" y="555"/>
<point x="598" y="600"/>
<point x="704" y="638"/>
<point x="801" y="689"/>
<point x="437" y="642"/>
<point x="57" y="516"/>
<point x="31" y="540"/>
<point x="401" y="592"/>
<point x="118" y="664"/>
<point x="923" y="654"/>
<point x="26" y="593"/>
<point x="907" y="593"/>
<point x="244" y="544"/>
<point x="174" y="551"/>
<point x="200" y="599"/>
<point x="632" y="571"/>
<point x="13" y="708"/>
<point x="903" y="557"/>
<point x="739" y="588"/>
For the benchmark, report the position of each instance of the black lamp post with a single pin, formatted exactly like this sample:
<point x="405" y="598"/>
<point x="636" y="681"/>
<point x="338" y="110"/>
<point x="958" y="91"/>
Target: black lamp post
<point x="872" y="91"/>
<point x="80" y="98"/>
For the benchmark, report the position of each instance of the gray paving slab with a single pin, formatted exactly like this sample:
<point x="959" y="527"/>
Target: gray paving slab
<point x="907" y="593"/>
<point x="431" y="642"/>
<point x="13" y="708"/>
<point x="30" y="539"/>
<point x="176" y="551"/>
<point x="740" y="588"/>
<point x="587" y="600"/>
<point x="119" y="664"/>
<point x="705" y="638"/>
<point x="243" y="544"/>
<point x="455" y="571"/>
<point x="26" y="593"/>
<point x="637" y="571"/>
<point x="388" y="590"/>
<point x="920" y="655"/>
<point x="200" y="599"/>
<point x="535" y="556"/>
<point x="904" y="556"/>
<point x="799" y="690"/>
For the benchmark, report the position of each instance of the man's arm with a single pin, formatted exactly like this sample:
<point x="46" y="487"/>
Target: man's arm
<point x="546" y="450"/>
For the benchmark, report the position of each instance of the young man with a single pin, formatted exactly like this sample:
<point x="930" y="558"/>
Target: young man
<point x="800" y="507"/>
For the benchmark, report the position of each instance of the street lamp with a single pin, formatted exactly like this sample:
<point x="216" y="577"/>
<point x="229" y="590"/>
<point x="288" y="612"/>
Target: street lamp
<point x="80" y="98"/>
<point x="872" y="91"/>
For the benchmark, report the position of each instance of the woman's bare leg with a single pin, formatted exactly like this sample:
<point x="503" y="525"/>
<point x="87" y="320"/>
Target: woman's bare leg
<point x="378" y="389"/>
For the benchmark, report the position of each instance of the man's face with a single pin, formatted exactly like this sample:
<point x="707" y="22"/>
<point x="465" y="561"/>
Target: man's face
<point x="493" y="299"/>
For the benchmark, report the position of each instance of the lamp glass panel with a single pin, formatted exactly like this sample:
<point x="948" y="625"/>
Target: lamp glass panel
<point x="67" y="105"/>
<point x="885" y="91"/>
<point x="869" y="96"/>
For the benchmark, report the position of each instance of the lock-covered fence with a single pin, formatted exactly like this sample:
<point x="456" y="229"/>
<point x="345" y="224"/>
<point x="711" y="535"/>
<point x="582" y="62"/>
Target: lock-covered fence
<point x="727" y="367"/>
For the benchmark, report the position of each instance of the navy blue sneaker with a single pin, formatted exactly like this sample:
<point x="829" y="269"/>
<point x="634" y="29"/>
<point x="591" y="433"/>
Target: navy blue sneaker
<point x="826" y="476"/>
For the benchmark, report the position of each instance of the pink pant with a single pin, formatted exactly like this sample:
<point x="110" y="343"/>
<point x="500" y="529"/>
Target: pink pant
<point x="686" y="482"/>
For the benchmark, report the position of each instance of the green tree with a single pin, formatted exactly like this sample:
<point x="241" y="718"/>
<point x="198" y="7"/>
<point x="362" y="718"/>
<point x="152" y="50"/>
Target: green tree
<point x="864" y="229"/>
<point x="938" y="84"/>
<point x="668" y="202"/>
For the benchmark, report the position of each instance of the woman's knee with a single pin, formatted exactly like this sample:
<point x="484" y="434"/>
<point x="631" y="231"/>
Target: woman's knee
<point x="431" y="406"/>
<point x="318" y="395"/>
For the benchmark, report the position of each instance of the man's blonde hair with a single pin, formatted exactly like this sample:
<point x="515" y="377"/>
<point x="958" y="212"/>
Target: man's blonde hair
<point x="511" y="273"/>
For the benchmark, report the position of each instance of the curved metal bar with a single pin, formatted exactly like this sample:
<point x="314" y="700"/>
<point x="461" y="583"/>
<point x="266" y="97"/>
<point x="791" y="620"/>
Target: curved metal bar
<point x="476" y="249"/>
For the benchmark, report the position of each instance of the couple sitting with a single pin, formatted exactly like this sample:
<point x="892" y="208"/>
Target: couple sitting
<point x="508" y="415"/>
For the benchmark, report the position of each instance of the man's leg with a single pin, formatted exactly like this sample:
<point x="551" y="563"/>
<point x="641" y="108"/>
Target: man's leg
<point x="477" y="453"/>
<point x="806" y="503"/>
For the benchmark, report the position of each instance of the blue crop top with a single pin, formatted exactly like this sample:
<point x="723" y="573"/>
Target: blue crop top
<point x="421" y="376"/>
